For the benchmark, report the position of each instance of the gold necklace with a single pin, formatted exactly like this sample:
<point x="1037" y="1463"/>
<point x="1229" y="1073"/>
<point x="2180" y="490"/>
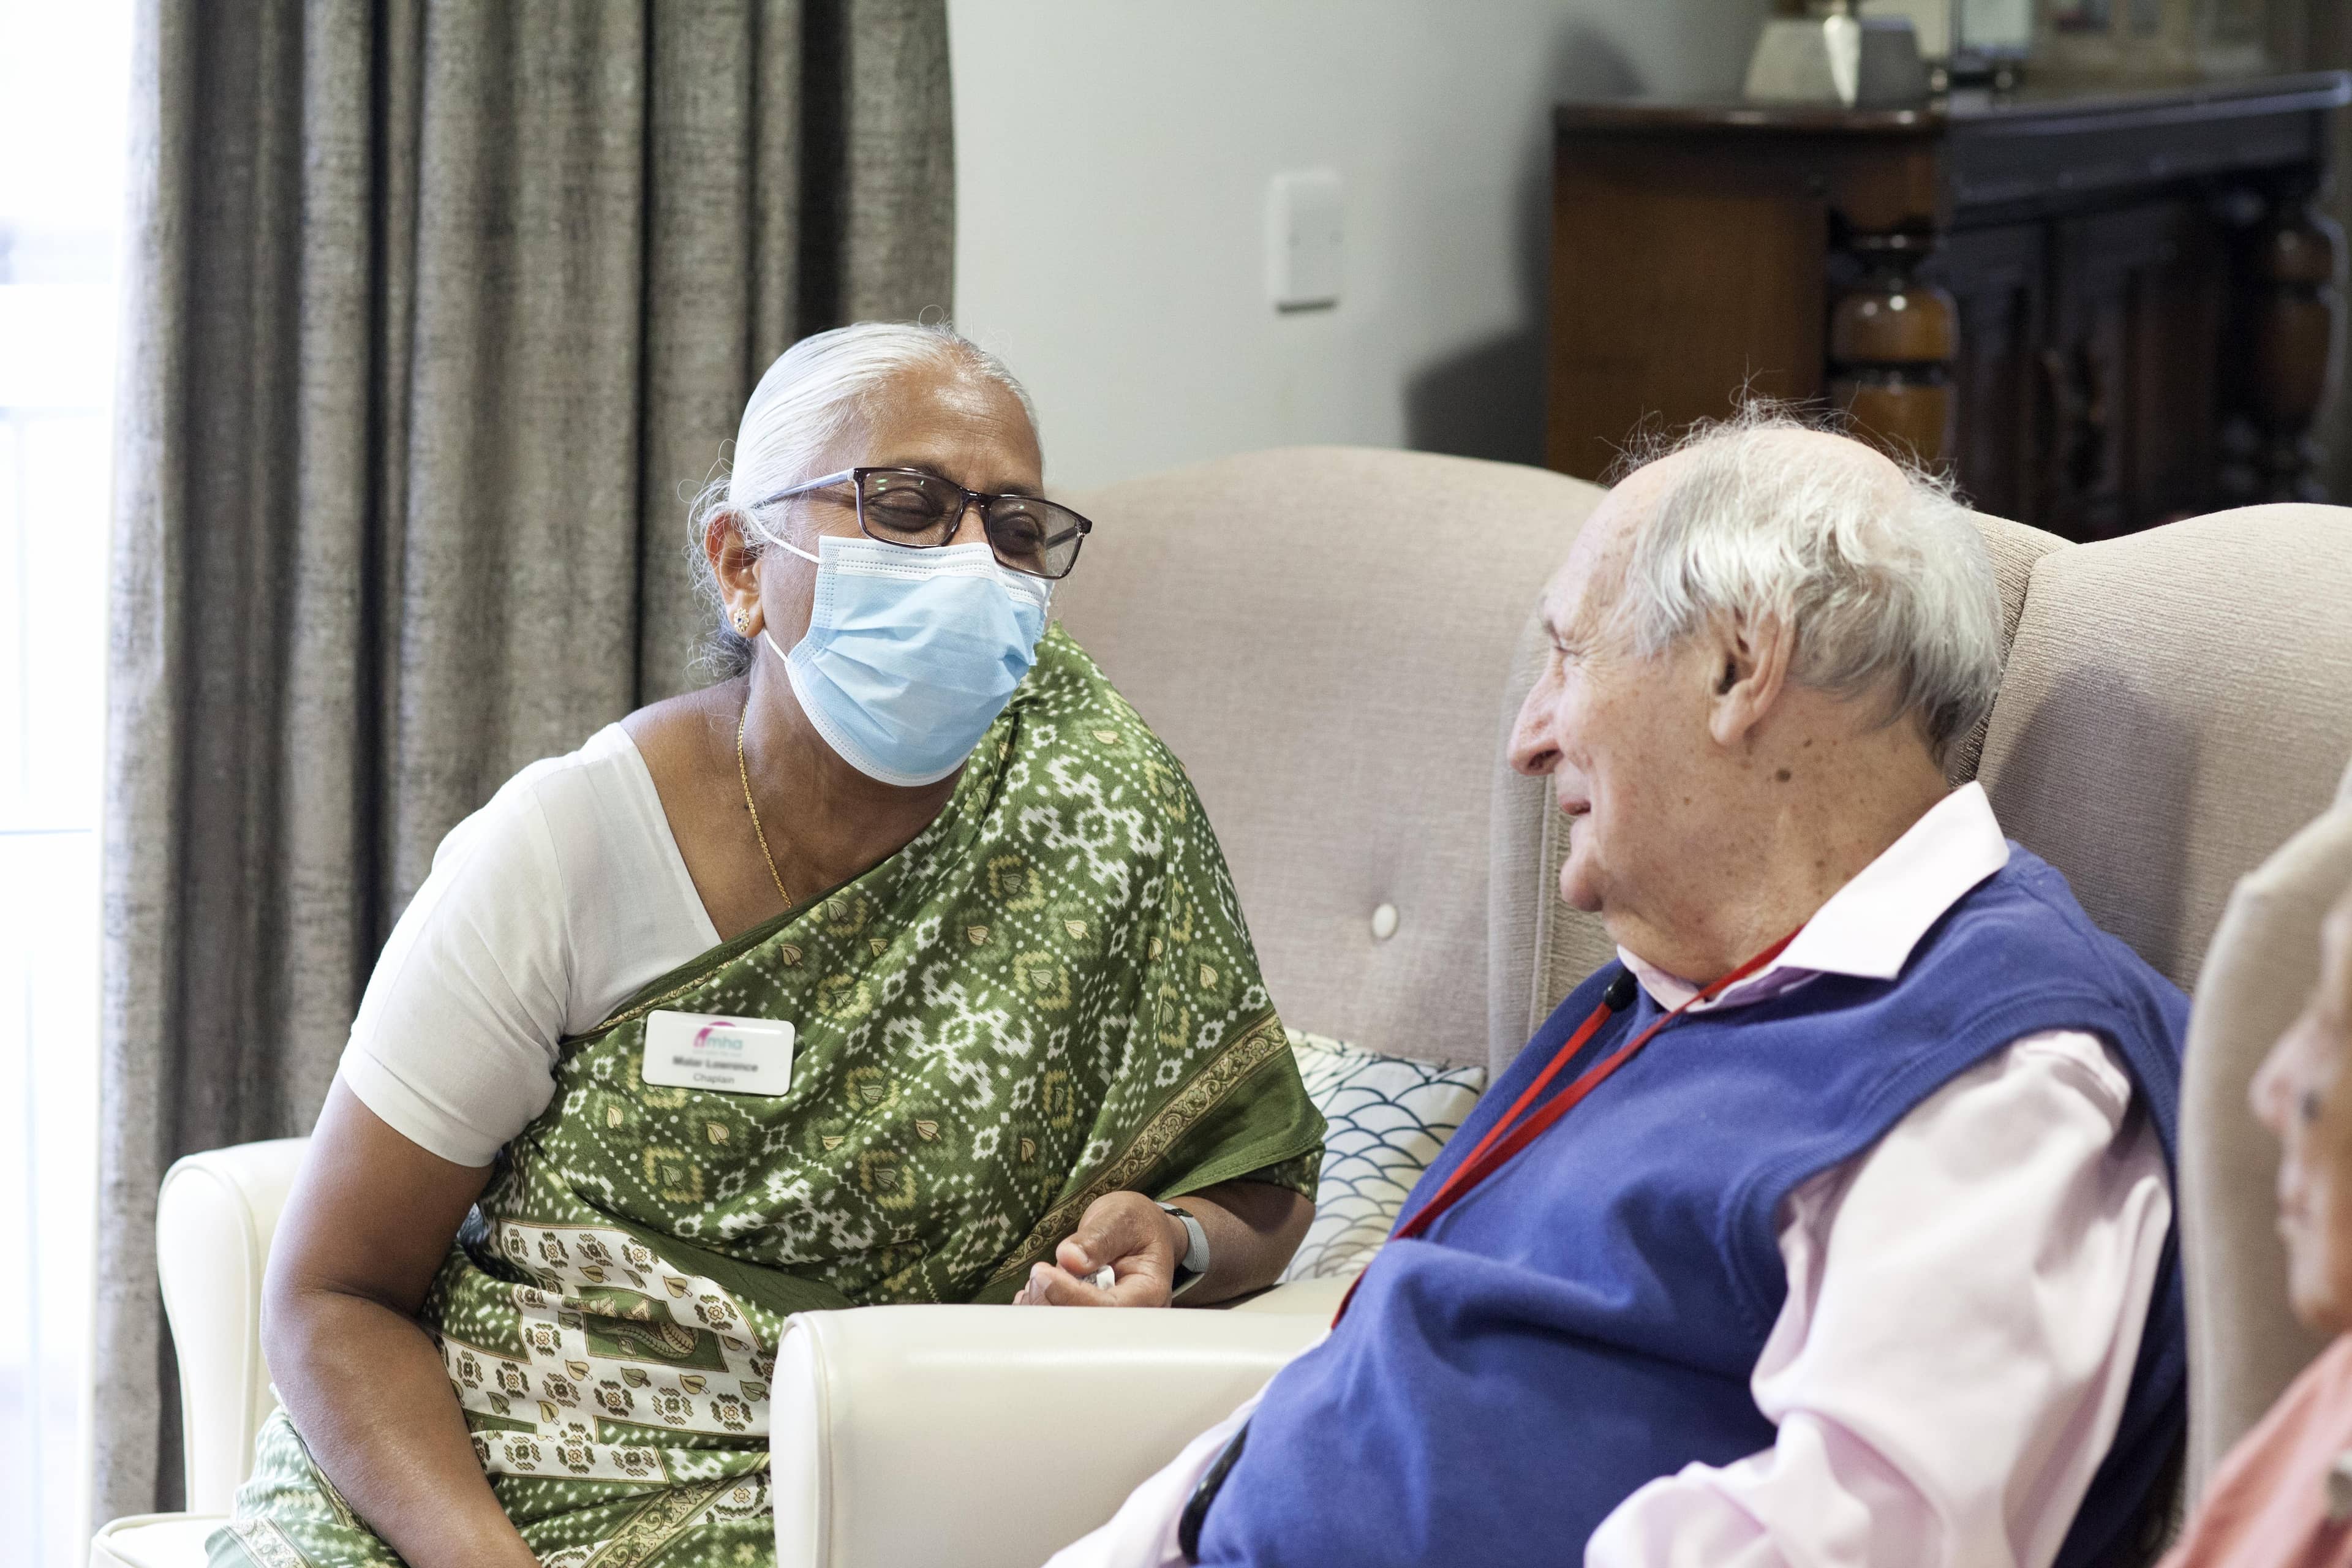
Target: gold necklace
<point x="744" y="773"/>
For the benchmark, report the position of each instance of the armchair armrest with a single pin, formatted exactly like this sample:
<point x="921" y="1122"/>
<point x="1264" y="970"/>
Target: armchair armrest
<point x="214" y="1220"/>
<point x="987" y="1436"/>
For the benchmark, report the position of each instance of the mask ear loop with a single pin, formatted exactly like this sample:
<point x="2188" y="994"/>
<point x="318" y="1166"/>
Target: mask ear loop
<point x="786" y="545"/>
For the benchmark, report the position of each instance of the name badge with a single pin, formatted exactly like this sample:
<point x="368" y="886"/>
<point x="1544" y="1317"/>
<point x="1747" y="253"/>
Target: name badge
<point x="703" y="1050"/>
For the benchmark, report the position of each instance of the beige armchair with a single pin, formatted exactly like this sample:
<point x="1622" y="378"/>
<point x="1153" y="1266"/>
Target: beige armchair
<point x="1331" y="639"/>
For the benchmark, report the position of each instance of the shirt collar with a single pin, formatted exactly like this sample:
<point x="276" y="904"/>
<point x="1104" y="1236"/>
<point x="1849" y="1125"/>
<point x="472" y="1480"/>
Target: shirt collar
<point x="1868" y="928"/>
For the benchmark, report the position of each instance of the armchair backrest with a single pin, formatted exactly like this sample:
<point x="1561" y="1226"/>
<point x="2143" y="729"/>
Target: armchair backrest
<point x="2177" y="707"/>
<point x="1319" y="634"/>
<point x="2177" y="704"/>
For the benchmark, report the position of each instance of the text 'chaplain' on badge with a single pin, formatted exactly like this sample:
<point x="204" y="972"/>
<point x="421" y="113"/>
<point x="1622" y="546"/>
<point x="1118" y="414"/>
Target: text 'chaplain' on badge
<point x="703" y="1050"/>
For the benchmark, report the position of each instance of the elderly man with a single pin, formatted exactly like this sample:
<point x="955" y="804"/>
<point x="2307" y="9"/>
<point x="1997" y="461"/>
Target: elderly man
<point x="1829" y="1225"/>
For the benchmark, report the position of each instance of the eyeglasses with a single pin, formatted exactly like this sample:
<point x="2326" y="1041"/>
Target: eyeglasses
<point x="921" y="511"/>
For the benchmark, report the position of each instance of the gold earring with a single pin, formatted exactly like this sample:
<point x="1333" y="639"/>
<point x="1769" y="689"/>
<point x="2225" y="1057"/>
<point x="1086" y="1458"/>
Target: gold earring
<point x="742" y="621"/>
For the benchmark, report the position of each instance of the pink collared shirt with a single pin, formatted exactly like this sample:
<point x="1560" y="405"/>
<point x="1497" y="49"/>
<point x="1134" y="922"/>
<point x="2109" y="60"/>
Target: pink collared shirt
<point x="1964" y="1302"/>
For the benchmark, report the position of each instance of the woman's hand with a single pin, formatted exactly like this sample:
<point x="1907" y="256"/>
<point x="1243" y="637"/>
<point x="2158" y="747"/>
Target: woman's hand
<point x="1127" y="1233"/>
<point x="1252" y="1227"/>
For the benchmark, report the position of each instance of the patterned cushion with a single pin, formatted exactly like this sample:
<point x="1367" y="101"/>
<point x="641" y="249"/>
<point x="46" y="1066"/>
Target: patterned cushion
<point x="1389" y="1116"/>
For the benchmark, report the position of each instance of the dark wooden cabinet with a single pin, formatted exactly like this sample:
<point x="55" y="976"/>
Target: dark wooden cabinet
<point x="2100" y="310"/>
<point x="2000" y="292"/>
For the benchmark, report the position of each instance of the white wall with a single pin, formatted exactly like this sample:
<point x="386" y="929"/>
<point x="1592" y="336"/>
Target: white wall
<point x="1112" y="158"/>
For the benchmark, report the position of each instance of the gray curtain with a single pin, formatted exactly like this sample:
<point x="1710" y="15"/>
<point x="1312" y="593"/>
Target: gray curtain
<point x="436" y="314"/>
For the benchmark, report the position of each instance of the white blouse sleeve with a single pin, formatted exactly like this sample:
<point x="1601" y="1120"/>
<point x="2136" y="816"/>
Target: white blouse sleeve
<point x="1965" y="1308"/>
<point x="454" y="1044"/>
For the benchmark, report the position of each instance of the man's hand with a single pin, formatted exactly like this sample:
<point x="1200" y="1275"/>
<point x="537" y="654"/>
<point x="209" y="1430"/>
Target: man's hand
<point x="1129" y="1234"/>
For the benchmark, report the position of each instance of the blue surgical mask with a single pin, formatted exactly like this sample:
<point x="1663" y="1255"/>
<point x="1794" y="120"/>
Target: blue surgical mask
<point x="911" y="654"/>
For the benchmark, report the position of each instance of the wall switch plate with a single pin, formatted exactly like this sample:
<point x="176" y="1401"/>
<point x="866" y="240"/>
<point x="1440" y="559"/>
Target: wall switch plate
<point x="1303" y="226"/>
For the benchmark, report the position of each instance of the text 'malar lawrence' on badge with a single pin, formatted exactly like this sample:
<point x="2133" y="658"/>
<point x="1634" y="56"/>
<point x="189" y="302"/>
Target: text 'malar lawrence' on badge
<point x="705" y="1050"/>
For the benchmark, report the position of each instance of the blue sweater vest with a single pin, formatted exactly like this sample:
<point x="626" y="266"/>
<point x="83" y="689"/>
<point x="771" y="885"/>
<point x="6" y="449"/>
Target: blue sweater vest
<point x="1587" y="1319"/>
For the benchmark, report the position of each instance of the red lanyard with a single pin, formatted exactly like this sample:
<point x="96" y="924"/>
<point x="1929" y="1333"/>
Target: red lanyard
<point x="1509" y="1134"/>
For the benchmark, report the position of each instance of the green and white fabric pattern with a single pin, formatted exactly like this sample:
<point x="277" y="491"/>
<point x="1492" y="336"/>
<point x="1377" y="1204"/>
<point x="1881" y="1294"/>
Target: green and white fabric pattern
<point x="1049" y="994"/>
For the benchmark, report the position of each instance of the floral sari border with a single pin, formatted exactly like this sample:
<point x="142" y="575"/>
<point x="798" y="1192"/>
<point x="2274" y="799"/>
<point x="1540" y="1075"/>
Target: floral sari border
<point x="666" y="1516"/>
<point x="267" y="1546"/>
<point x="1203" y="1093"/>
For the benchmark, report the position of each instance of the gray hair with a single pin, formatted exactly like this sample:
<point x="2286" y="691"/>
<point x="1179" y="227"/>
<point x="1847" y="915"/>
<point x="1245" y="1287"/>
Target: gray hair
<point x="1896" y="597"/>
<point x="799" y="407"/>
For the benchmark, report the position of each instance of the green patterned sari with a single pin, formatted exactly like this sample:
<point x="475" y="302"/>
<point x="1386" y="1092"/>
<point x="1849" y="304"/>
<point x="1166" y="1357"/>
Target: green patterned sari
<point x="1049" y="994"/>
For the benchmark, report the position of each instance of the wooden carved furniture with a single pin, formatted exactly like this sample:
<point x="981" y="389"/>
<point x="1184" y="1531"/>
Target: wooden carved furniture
<point x="2102" y="310"/>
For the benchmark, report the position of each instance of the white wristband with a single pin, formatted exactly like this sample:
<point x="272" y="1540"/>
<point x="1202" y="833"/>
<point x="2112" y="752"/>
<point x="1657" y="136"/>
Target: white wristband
<point x="1193" y="1266"/>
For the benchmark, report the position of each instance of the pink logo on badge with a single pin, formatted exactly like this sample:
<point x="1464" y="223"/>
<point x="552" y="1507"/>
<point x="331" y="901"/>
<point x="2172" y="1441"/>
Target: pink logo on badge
<point x="703" y="1035"/>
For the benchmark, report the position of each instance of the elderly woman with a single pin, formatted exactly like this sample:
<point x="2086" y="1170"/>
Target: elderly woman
<point x="898" y="965"/>
<point x="2279" y="1500"/>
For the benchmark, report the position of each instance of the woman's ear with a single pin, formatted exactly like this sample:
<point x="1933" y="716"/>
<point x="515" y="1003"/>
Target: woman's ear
<point x="1751" y="656"/>
<point x="735" y="563"/>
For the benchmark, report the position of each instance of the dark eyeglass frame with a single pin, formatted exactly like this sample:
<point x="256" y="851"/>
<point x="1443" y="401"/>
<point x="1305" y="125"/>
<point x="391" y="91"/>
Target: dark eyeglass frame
<point x="856" y="478"/>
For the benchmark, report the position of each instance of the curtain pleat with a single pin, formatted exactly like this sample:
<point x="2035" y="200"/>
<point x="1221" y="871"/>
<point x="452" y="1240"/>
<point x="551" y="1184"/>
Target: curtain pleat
<point x="437" y="316"/>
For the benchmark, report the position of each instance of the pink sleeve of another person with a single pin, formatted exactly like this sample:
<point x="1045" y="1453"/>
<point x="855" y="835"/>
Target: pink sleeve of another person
<point x="2267" y="1507"/>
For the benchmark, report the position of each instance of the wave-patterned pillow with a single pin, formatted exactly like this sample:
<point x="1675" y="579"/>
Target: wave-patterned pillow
<point x="1388" y="1118"/>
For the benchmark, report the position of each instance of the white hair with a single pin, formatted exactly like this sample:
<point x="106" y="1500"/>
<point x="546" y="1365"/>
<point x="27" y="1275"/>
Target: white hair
<point x="1888" y="589"/>
<point x="799" y="407"/>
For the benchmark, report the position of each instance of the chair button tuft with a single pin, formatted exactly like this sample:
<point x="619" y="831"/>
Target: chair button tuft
<point x="1385" y="922"/>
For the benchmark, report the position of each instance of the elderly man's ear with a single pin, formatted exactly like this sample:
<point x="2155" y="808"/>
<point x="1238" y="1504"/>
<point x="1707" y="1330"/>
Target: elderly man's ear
<point x="1749" y="670"/>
